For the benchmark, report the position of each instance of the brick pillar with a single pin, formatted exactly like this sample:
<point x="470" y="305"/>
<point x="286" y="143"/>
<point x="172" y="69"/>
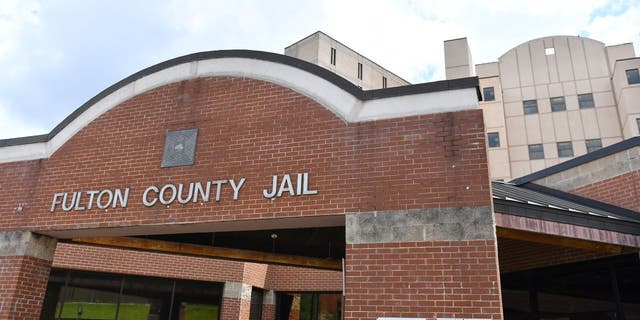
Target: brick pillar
<point x="429" y="263"/>
<point x="236" y="301"/>
<point x="25" y="263"/>
<point x="269" y="305"/>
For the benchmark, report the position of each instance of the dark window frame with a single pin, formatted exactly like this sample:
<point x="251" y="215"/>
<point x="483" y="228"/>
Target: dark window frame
<point x="558" y="104"/>
<point x="530" y="106"/>
<point x="384" y="82"/>
<point x="585" y="101"/>
<point x="360" y="71"/>
<point x="493" y="139"/>
<point x="488" y="94"/>
<point x="536" y="151"/>
<point x="565" y="149"/>
<point x="593" y="144"/>
<point x="333" y="56"/>
<point x="633" y="76"/>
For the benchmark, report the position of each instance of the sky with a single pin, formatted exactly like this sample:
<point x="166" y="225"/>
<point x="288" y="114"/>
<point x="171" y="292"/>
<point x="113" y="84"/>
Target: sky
<point x="56" y="55"/>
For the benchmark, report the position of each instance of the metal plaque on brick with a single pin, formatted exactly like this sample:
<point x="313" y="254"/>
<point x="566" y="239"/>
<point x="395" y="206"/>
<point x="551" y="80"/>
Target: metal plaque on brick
<point x="179" y="148"/>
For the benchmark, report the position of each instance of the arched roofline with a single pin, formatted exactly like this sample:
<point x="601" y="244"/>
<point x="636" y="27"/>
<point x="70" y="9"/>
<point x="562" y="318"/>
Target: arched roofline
<point x="335" y="93"/>
<point x="541" y="38"/>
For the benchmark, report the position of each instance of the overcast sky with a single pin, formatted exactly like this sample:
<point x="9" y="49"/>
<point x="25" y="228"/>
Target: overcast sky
<point x="56" y="55"/>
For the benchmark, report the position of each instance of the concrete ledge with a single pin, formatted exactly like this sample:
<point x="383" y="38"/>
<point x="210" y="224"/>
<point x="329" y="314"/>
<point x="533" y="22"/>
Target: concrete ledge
<point x="25" y="243"/>
<point x="236" y="290"/>
<point x="597" y="170"/>
<point x="437" y="224"/>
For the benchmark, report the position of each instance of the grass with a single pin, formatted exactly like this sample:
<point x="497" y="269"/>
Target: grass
<point x="130" y="311"/>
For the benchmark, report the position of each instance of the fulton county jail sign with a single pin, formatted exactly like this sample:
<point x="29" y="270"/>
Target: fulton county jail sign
<point x="194" y="192"/>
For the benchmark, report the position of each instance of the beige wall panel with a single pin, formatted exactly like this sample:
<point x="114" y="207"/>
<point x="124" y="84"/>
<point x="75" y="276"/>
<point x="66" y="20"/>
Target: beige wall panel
<point x="617" y="52"/>
<point x="542" y="91"/>
<point x="578" y="59"/>
<point x="520" y="168"/>
<point x="493" y="115"/>
<point x="609" y="141"/>
<point x="579" y="148"/>
<point x="572" y="102"/>
<point x="600" y="84"/>
<point x="596" y="58"/>
<point x="490" y="69"/>
<point x="603" y="99"/>
<point x="554" y="73"/>
<point x="499" y="164"/>
<point x="555" y="90"/>
<point x="561" y="126"/>
<point x="563" y="59"/>
<point x="551" y="162"/>
<point x="547" y="127"/>
<point x="550" y="151"/>
<point x="544" y="105"/>
<point x="629" y="102"/>
<point x="516" y="135"/>
<point x="539" y="62"/>
<point x="532" y="123"/>
<point x="608" y="122"/>
<point x="537" y="165"/>
<point x="528" y="93"/>
<point x="519" y="153"/>
<point x="509" y="70"/>
<point x="569" y="88"/>
<point x="575" y="125"/>
<point x="512" y="95"/>
<point x="513" y="109"/>
<point x="590" y="124"/>
<point x="524" y="65"/>
<point x="583" y="86"/>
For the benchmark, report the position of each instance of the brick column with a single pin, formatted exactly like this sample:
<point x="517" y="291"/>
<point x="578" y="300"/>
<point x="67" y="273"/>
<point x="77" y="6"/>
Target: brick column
<point x="25" y="263"/>
<point x="236" y="301"/>
<point x="269" y="305"/>
<point x="428" y="263"/>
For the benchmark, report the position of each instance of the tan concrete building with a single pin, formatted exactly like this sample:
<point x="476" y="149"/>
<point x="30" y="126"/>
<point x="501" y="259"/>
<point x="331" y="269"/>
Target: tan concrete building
<point x="545" y="101"/>
<point x="551" y="99"/>
<point x="320" y="49"/>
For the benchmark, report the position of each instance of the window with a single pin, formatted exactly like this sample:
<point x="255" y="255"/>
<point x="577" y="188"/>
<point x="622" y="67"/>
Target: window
<point x="638" y="124"/>
<point x="384" y="82"/>
<point x="536" y="151"/>
<point x="593" y="145"/>
<point x="633" y="76"/>
<point x="257" y="297"/>
<point x="333" y="56"/>
<point x="557" y="104"/>
<point x="585" y="101"/>
<point x="488" y="94"/>
<point x="565" y="149"/>
<point x="530" y="106"/>
<point x="493" y="139"/>
<point x="549" y="51"/>
<point x="359" y="70"/>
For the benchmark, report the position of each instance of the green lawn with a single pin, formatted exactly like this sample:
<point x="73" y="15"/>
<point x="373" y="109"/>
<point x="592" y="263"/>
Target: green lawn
<point x="107" y="311"/>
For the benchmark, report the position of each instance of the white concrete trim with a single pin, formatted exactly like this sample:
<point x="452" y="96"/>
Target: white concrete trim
<point x="337" y="100"/>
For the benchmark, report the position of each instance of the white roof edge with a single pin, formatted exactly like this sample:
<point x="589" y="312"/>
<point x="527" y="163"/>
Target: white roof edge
<point x="342" y="103"/>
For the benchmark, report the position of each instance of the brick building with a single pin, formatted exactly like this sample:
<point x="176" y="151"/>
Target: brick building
<point x="251" y="185"/>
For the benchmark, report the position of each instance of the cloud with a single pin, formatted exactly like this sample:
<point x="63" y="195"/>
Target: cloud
<point x="56" y="55"/>
<point x="13" y="125"/>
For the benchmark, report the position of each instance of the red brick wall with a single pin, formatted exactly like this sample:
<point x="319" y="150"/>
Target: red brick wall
<point x="622" y="191"/>
<point x="253" y="129"/>
<point x="294" y="279"/>
<point x="235" y="309"/>
<point x="114" y="260"/>
<point x="23" y="281"/>
<point x="443" y="279"/>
